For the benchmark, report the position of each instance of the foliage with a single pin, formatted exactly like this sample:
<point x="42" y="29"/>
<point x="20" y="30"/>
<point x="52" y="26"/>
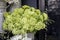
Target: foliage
<point x="25" y="19"/>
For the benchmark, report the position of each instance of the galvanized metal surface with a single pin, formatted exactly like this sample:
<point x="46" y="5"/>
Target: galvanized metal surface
<point x="28" y="36"/>
<point x="15" y="5"/>
<point x="42" y="5"/>
<point x="2" y="10"/>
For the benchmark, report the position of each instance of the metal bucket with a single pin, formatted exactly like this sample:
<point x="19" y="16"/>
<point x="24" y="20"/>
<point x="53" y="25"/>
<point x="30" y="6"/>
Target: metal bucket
<point x="28" y="36"/>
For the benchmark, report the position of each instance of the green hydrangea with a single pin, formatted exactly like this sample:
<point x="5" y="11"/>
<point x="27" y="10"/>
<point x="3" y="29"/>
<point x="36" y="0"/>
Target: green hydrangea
<point x="25" y="19"/>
